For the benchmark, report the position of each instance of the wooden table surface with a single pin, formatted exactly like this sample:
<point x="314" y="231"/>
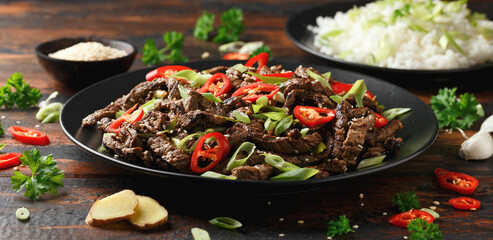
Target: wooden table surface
<point x="24" y="24"/>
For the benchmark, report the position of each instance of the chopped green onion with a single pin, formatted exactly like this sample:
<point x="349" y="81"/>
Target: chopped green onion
<point x="321" y="79"/>
<point x="276" y="116"/>
<point x="211" y="97"/>
<point x="52" y="117"/>
<point x="433" y="213"/>
<point x="370" y="161"/>
<point x="2" y="145"/>
<point x="212" y="174"/>
<point x="119" y="113"/>
<point x="283" y="125"/>
<point x="304" y="131"/>
<point x="240" y="68"/>
<point x="225" y="222"/>
<point x="48" y="109"/>
<point x="359" y="90"/>
<point x="250" y="47"/>
<point x="256" y="108"/>
<point x="279" y="97"/>
<point x="279" y="163"/>
<point x="197" y="79"/>
<point x="338" y="99"/>
<point x="241" y="117"/>
<point x="182" y="144"/>
<point x="231" y="46"/>
<point x="447" y="38"/>
<point x="175" y="141"/>
<point x="296" y="174"/>
<point x="200" y="234"/>
<point x="247" y="147"/>
<point x="276" y="109"/>
<point x="150" y="105"/>
<point x="333" y="33"/>
<point x="263" y="100"/>
<point x="486" y="32"/>
<point x="22" y="213"/>
<point x="183" y="92"/>
<point x="269" y="124"/>
<point x="267" y="79"/>
<point x="319" y="148"/>
<point x="327" y="75"/>
<point x="172" y="124"/>
<point x="394" y="112"/>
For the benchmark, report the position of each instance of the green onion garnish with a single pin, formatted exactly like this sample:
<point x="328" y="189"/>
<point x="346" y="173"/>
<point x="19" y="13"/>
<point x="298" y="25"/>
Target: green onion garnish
<point x="276" y="116"/>
<point x="321" y="79"/>
<point x="200" y="234"/>
<point x="304" y="131"/>
<point x="212" y="174"/>
<point x="241" y="117"/>
<point x="196" y="78"/>
<point x="182" y="144"/>
<point x="270" y="80"/>
<point x="279" y="163"/>
<point x="370" y="161"/>
<point x="246" y="147"/>
<point x="183" y="92"/>
<point x="359" y="90"/>
<point x="283" y="125"/>
<point x="240" y="68"/>
<point x="225" y="222"/>
<point x="211" y="97"/>
<point x="394" y="112"/>
<point x="269" y="124"/>
<point x="296" y="174"/>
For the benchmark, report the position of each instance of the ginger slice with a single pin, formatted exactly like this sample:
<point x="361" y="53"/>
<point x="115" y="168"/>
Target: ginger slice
<point x="148" y="214"/>
<point x="112" y="208"/>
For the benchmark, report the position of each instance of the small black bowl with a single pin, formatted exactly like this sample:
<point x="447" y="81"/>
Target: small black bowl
<point x="80" y="74"/>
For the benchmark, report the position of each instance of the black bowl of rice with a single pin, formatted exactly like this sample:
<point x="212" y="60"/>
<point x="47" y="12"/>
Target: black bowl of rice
<point x="80" y="62"/>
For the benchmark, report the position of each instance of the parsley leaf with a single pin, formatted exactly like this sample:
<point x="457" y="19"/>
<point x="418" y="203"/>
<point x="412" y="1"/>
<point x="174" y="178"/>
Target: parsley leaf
<point x="231" y="26"/>
<point x="406" y="201"/>
<point x="2" y="132"/>
<point x="261" y="49"/>
<point x="46" y="177"/>
<point x="422" y="230"/>
<point x="151" y="55"/>
<point x="24" y="95"/>
<point x="339" y="227"/>
<point x="456" y="113"/>
<point x="204" y="25"/>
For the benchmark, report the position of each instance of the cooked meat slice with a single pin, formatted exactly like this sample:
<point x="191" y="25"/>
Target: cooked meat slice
<point x="107" y="112"/>
<point x="270" y="70"/>
<point x="236" y="136"/>
<point x="380" y="134"/>
<point x="218" y="69"/>
<point x="256" y="173"/>
<point x="307" y="98"/>
<point x="200" y="118"/>
<point x="377" y="150"/>
<point x="332" y="166"/>
<point x="355" y="139"/>
<point x="321" y="174"/>
<point x="306" y="84"/>
<point x="167" y="151"/>
<point x="340" y="125"/>
<point x="152" y="122"/>
<point x="367" y="102"/>
<point x="197" y="101"/>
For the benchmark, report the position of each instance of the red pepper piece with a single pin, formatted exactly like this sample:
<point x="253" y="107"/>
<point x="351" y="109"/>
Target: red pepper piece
<point x="465" y="203"/>
<point x="126" y="117"/>
<point x="286" y="75"/>
<point x="164" y="72"/>
<point x="457" y="182"/>
<point x="9" y="160"/>
<point x="255" y="90"/>
<point x="261" y="59"/>
<point x="206" y="155"/>
<point x="313" y="116"/>
<point x="403" y="219"/>
<point x="340" y="87"/>
<point x="236" y="56"/>
<point x="218" y="84"/>
<point x="29" y="136"/>
<point x="380" y="120"/>
<point x="440" y="171"/>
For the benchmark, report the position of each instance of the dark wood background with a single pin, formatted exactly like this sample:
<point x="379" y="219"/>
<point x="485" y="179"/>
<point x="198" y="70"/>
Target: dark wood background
<point x="25" y="24"/>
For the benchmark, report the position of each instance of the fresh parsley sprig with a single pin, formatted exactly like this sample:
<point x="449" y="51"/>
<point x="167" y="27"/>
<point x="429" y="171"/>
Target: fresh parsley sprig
<point x="231" y="26"/>
<point x="453" y="112"/>
<point x="204" y="25"/>
<point x="151" y="55"/>
<point x="420" y="229"/>
<point x="45" y="177"/>
<point x="261" y="49"/>
<point x="24" y="95"/>
<point x="406" y="201"/>
<point x="339" y="227"/>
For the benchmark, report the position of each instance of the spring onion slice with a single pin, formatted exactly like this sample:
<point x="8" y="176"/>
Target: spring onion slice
<point x="279" y="97"/>
<point x="283" y="125"/>
<point x="270" y="80"/>
<point x="304" y="131"/>
<point x="183" y="92"/>
<point x="319" y="148"/>
<point x="359" y="90"/>
<point x="449" y="39"/>
<point x="370" y="161"/>
<point x="2" y="145"/>
<point x="241" y="117"/>
<point x="212" y="174"/>
<point x="48" y="109"/>
<point x="433" y="213"/>
<point x="22" y="213"/>
<point x="240" y="68"/>
<point x="247" y="147"/>
<point x="276" y="116"/>
<point x="394" y="112"/>
<point x="321" y="79"/>
<point x="256" y="108"/>
<point x="52" y="117"/>
<point x="225" y="222"/>
<point x="231" y="46"/>
<point x="263" y="100"/>
<point x="279" y="163"/>
<point x="200" y="234"/>
<point x="196" y="78"/>
<point x="175" y="141"/>
<point x="182" y="144"/>
<point x="150" y="105"/>
<point x="296" y="174"/>
<point x="211" y="97"/>
<point x="269" y="124"/>
<point x="119" y="113"/>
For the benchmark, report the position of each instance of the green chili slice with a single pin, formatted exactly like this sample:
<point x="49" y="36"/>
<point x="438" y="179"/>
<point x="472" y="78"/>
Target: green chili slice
<point x="212" y="174"/>
<point x="200" y="234"/>
<point x="182" y="144"/>
<point x="321" y="79"/>
<point x="394" y="112"/>
<point x="370" y="161"/>
<point x="247" y="147"/>
<point x="283" y="125"/>
<point x="211" y="97"/>
<point x="296" y="174"/>
<point x="241" y="116"/>
<point x="279" y="163"/>
<point x="225" y="222"/>
<point x="268" y="79"/>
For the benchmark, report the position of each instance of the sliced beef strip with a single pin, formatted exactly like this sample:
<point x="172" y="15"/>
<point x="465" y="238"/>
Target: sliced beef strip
<point x="355" y="138"/>
<point x="218" y="69"/>
<point x="255" y="173"/>
<point x="340" y="125"/>
<point x="270" y="70"/>
<point x="168" y="152"/>
<point x="307" y="98"/>
<point x="107" y="112"/>
<point x="199" y="118"/>
<point x="382" y="133"/>
<point x="236" y="136"/>
<point x="332" y="166"/>
<point x="306" y="84"/>
<point x="197" y="101"/>
<point x="367" y="102"/>
<point x="152" y="122"/>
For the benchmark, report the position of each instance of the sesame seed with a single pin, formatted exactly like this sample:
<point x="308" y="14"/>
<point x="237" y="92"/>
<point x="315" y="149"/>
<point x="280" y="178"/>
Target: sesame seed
<point x="361" y="195"/>
<point x="362" y="204"/>
<point x="473" y="209"/>
<point x="281" y="234"/>
<point x="18" y="122"/>
<point x="281" y="219"/>
<point x="433" y="208"/>
<point x="301" y="221"/>
<point x="355" y="226"/>
<point x="405" y="237"/>
<point x="384" y="213"/>
<point x="436" y="203"/>
<point x="16" y="168"/>
<point x="37" y="125"/>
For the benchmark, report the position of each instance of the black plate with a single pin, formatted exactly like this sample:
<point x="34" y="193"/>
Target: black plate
<point x="296" y="29"/>
<point x="420" y="128"/>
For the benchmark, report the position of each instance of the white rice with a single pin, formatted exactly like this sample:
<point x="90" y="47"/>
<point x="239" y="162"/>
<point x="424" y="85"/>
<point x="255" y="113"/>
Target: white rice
<point x="88" y="51"/>
<point x="370" y="37"/>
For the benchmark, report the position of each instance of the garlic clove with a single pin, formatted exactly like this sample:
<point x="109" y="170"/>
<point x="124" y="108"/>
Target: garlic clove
<point x="477" y="147"/>
<point x="487" y="125"/>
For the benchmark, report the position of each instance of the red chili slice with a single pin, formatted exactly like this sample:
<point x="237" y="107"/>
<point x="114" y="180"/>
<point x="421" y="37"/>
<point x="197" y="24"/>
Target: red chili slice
<point x="164" y="72"/>
<point x="465" y="203"/>
<point x="236" y="56"/>
<point x="440" y="171"/>
<point x="457" y="182"/>
<point x="286" y="75"/>
<point x="9" y="160"/>
<point x="29" y="136"/>
<point x="380" y="121"/>
<point x="218" y="84"/>
<point x="403" y="219"/>
<point x="128" y="116"/>
<point x="207" y="155"/>
<point x="261" y="59"/>
<point x="313" y="116"/>
<point x="340" y="87"/>
<point x="255" y="90"/>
